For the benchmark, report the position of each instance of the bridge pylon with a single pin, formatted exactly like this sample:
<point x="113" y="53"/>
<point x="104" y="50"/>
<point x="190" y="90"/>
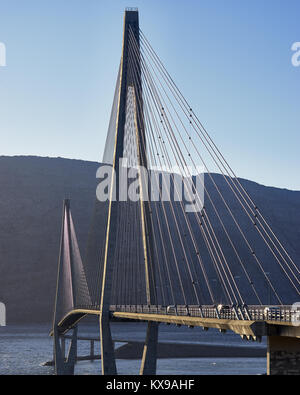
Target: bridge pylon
<point x="65" y="365"/>
<point x="128" y="85"/>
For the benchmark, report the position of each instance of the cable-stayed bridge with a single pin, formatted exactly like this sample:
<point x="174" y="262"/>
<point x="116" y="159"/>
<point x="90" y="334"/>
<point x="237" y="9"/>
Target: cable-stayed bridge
<point x="166" y="244"/>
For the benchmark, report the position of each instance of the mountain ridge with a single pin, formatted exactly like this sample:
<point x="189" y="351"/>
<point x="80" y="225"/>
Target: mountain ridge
<point x="32" y="191"/>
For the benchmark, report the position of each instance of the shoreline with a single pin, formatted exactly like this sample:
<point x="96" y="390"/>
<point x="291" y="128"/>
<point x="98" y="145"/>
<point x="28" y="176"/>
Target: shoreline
<point x="134" y="350"/>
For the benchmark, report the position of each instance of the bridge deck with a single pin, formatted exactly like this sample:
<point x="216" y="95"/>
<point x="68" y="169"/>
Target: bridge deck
<point x="257" y="325"/>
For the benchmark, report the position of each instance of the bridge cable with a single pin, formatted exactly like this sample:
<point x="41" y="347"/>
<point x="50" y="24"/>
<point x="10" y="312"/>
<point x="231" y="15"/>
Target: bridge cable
<point x="188" y="107"/>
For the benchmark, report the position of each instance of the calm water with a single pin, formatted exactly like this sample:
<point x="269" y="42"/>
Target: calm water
<point x="24" y="348"/>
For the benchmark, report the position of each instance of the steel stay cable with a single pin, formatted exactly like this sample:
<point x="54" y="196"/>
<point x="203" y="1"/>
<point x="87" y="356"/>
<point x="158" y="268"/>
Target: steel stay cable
<point x="182" y="245"/>
<point x="220" y="218"/>
<point x="172" y="246"/>
<point x="267" y="280"/>
<point x="154" y="235"/>
<point x="217" y="253"/>
<point x="256" y="208"/>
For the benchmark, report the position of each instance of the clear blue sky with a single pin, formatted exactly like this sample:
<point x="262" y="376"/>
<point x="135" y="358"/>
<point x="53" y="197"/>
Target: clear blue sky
<point x="231" y="59"/>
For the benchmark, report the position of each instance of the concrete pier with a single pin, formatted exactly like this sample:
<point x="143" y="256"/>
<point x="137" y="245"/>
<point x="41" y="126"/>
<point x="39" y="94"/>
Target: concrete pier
<point x="64" y="365"/>
<point x="149" y="359"/>
<point x="108" y="361"/>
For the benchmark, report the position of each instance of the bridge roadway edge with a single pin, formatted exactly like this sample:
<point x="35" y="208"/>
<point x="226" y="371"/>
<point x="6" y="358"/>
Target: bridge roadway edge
<point x="241" y="327"/>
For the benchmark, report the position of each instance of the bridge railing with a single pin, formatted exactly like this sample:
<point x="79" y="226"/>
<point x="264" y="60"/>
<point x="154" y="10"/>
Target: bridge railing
<point x="271" y="313"/>
<point x="255" y="313"/>
<point x="179" y="310"/>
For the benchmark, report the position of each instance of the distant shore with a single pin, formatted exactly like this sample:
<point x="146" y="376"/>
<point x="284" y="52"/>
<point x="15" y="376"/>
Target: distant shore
<point x="134" y="350"/>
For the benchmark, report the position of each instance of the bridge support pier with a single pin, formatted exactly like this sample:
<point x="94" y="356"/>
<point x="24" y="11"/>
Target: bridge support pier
<point x="108" y="361"/>
<point x="283" y="356"/>
<point x="149" y="359"/>
<point x="64" y="366"/>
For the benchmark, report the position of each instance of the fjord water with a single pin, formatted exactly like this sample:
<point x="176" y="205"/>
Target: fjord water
<point x="24" y="348"/>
